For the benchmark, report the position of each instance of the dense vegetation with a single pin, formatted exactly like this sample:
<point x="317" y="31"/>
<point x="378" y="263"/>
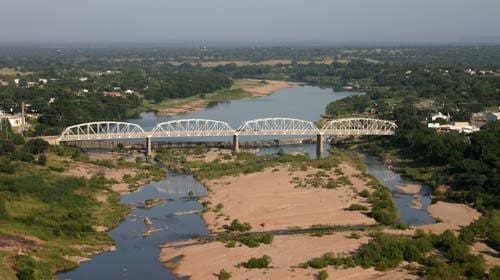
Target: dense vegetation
<point x="453" y="259"/>
<point x="48" y="215"/>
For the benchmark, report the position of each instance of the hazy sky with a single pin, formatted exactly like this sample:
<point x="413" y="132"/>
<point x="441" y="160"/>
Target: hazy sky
<point x="335" y="21"/>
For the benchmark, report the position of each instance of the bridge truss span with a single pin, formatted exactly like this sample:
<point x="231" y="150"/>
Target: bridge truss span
<point x="278" y="126"/>
<point x="102" y="131"/>
<point x="359" y="126"/>
<point x="192" y="128"/>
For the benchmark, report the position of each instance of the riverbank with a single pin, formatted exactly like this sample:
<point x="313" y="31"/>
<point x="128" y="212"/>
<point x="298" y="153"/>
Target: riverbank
<point x="241" y="88"/>
<point x="56" y="214"/>
<point x="205" y="261"/>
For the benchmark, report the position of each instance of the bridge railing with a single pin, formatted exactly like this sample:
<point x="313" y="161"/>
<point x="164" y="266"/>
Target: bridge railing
<point x="278" y="126"/>
<point x="102" y="131"/>
<point x="192" y="128"/>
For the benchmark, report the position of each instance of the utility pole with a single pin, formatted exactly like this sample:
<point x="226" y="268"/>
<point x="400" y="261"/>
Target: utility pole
<point x="23" y="118"/>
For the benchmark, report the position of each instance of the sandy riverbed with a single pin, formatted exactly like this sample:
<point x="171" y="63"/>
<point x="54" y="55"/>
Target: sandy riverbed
<point x="269" y="200"/>
<point x="204" y="261"/>
<point x="453" y="216"/>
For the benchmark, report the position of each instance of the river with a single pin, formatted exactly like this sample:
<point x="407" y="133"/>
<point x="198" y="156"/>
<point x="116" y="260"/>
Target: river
<point x="136" y="257"/>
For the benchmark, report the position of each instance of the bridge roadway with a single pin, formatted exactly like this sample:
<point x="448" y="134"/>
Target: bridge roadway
<point x="111" y="130"/>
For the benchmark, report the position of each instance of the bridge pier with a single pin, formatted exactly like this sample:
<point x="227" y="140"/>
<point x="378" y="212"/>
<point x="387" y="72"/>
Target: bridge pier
<point x="148" y="146"/>
<point x="236" y="143"/>
<point x="319" y="145"/>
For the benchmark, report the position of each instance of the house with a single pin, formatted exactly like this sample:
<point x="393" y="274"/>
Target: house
<point x="113" y="93"/>
<point x="433" y="125"/>
<point x="459" y="127"/>
<point x="493" y="117"/>
<point x="16" y="81"/>
<point x="15" y="121"/>
<point x="83" y="79"/>
<point x="4" y="83"/>
<point x="42" y="81"/>
<point x="129" y="91"/>
<point x="470" y="72"/>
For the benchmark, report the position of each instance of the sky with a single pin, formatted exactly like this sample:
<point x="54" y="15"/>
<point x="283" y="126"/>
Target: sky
<point x="328" y="21"/>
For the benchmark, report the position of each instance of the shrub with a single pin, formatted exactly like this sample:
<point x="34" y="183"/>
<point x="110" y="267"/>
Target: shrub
<point x="365" y="193"/>
<point x="322" y="275"/>
<point x="22" y="155"/>
<point x="17" y="139"/>
<point x="384" y="210"/>
<point x="236" y="225"/>
<point x="6" y="147"/>
<point x="332" y="184"/>
<point x="42" y="159"/>
<point x="357" y="207"/>
<point x="7" y="167"/>
<point x="494" y="273"/>
<point x="262" y="262"/>
<point x="223" y="275"/>
<point x="36" y="146"/>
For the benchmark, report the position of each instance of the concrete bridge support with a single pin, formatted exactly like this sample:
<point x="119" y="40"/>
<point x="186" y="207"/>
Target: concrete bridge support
<point x="319" y="145"/>
<point x="148" y="146"/>
<point x="236" y="143"/>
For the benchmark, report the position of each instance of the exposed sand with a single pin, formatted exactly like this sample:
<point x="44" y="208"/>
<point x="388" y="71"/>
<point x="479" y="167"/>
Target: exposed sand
<point x="269" y="200"/>
<point x="490" y="255"/>
<point x="88" y="170"/>
<point x="183" y="108"/>
<point x="257" y="89"/>
<point x="211" y="155"/>
<point x="254" y="87"/>
<point x="452" y="215"/>
<point x="412" y="189"/>
<point x="203" y="261"/>
<point x="17" y="242"/>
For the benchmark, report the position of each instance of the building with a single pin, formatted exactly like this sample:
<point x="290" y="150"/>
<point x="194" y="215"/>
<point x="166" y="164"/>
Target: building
<point x="129" y="91"/>
<point x="493" y="117"/>
<point x="459" y="127"/>
<point x="83" y="79"/>
<point x="42" y="81"/>
<point x="4" y="83"/>
<point x="112" y="93"/>
<point x="15" y="121"/>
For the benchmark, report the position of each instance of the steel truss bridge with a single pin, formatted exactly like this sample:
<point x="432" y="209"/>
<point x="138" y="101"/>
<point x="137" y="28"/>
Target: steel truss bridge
<point x="110" y="130"/>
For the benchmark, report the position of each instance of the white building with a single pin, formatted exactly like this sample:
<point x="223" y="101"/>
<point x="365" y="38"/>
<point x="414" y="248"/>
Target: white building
<point x="83" y="79"/>
<point x="15" y="121"/>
